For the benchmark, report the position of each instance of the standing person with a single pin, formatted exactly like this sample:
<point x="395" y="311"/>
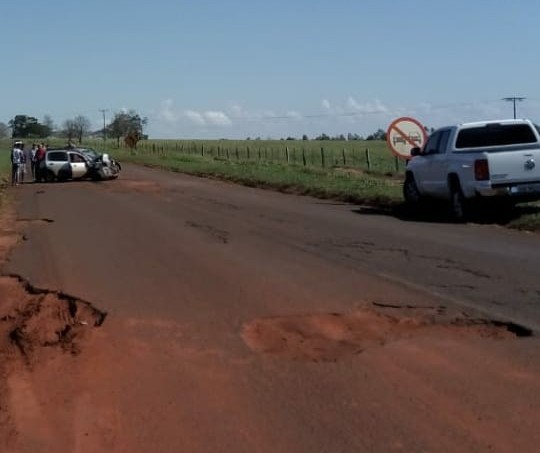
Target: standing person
<point x="33" y="160"/>
<point x="16" y="157"/>
<point x="22" y="165"/>
<point x="40" y="156"/>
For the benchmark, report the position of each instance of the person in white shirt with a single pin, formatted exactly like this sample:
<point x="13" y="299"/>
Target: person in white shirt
<point x="16" y="159"/>
<point x="33" y="160"/>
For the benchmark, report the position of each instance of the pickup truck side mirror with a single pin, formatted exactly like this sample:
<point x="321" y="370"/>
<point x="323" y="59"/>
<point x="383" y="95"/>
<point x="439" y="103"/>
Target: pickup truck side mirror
<point x="416" y="151"/>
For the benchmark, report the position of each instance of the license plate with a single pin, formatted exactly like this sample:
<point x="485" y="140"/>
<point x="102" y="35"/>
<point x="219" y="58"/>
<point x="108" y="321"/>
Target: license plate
<point x="526" y="188"/>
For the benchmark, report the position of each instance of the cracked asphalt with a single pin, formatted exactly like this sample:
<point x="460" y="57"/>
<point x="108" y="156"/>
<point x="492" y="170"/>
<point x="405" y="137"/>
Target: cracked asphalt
<point x="213" y="293"/>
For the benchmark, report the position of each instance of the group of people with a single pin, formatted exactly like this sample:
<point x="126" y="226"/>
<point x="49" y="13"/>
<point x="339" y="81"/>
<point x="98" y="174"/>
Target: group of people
<point x="20" y="157"/>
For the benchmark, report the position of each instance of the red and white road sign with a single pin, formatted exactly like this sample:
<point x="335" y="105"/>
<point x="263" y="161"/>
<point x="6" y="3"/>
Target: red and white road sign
<point x="405" y="134"/>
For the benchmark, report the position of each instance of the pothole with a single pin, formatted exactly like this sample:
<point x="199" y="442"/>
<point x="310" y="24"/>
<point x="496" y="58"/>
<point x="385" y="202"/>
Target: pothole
<point x="32" y="319"/>
<point x="215" y="233"/>
<point x="334" y="336"/>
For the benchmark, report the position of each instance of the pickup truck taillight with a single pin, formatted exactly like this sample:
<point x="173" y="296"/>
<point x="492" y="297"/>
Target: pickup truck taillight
<point x="481" y="170"/>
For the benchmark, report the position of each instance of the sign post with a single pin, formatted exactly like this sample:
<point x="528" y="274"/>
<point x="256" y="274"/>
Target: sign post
<point x="405" y="134"/>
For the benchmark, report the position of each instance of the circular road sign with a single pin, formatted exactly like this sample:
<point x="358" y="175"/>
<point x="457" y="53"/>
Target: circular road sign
<point x="405" y="134"/>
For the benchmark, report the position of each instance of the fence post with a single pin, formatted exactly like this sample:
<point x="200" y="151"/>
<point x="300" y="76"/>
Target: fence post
<point x="287" y="154"/>
<point x="227" y="153"/>
<point x="248" y="153"/>
<point x="153" y="148"/>
<point x="344" y="158"/>
<point x="259" y="149"/>
<point x="202" y="150"/>
<point x="304" y="156"/>
<point x="397" y="164"/>
<point x="237" y="155"/>
<point x="322" y="157"/>
<point x="368" y="159"/>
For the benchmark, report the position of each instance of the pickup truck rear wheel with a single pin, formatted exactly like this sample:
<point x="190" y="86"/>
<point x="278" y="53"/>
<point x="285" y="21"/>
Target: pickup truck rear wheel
<point x="458" y="204"/>
<point x="410" y="191"/>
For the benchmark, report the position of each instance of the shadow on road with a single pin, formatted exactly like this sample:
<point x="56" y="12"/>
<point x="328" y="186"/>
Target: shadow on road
<point x="440" y="213"/>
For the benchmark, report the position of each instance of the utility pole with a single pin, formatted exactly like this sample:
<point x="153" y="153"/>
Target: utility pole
<point x="514" y="99"/>
<point x="104" y="130"/>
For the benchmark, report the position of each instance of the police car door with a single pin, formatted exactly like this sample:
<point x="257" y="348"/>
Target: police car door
<point x="78" y="165"/>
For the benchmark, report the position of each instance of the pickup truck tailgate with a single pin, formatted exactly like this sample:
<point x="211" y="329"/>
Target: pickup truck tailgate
<point x="517" y="166"/>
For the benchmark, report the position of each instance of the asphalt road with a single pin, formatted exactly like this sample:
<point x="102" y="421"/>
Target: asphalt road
<point x="161" y="228"/>
<point x="190" y="270"/>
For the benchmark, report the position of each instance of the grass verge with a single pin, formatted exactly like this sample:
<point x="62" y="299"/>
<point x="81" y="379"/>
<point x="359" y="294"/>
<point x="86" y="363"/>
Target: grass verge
<point x="5" y="176"/>
<point x="348" y="185"/>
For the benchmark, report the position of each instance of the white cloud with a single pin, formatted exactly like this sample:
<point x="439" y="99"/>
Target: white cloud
<point x="217" y="118"/>
<point x="210" y="118"/>
<point x="195" y="117"/>
<point x="332" y="117"/>
<point x="368" y="107"/>
<point x="294" y="115"/>
<point x="166" y="111"/>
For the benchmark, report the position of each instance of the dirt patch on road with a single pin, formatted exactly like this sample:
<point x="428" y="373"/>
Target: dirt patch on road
<point x="31" y="319"/>
<point x="127" y="185"/>
<point x="334" y="336"/>
<point x="35" y="326"/>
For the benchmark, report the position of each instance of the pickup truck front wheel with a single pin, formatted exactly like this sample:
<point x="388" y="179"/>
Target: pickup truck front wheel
<point x="410" y="191"/>
<point x="458" y="204"/>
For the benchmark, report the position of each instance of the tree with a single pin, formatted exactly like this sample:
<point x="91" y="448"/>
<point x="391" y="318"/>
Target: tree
<point x="378" y="135"/>
<point x="323" y="136"/>
<point x="126" y="124"/>
<point x="76" y="128"/>
<point x="82" y="127"/>
<point x="48" y="125"/>
<point x="24" y="126"/>
<point x="69" y="129"/>
<point x="305" y="137"/>
<point x="4" y="130"/>
<point x="352" y="137"/>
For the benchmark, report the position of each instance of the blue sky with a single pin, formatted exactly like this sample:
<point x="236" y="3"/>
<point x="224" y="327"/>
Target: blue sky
<point x="271" y="69"/>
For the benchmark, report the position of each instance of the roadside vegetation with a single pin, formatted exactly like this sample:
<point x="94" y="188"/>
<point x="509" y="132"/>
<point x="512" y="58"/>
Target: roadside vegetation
<point x="5" y="172"/>
<point x="325" y="170"/>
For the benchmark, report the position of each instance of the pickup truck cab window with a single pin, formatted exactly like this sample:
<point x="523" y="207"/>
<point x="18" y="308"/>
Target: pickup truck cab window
<point x="432" y="145"/>
<point x="438" y="142"/>
<point x="495" y="135"/>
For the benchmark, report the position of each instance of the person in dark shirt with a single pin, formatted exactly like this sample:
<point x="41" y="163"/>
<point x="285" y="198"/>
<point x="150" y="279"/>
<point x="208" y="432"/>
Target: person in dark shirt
<point x="40" y="157"/>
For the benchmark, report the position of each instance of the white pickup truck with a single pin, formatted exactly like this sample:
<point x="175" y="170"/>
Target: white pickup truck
<point x="496" y="160"/>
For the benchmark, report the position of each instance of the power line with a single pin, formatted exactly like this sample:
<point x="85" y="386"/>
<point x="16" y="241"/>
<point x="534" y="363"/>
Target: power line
<point x="514" y="99"/>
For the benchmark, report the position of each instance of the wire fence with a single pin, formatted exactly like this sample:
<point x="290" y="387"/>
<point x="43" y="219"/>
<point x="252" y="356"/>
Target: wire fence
<point x="372" y="156"/>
